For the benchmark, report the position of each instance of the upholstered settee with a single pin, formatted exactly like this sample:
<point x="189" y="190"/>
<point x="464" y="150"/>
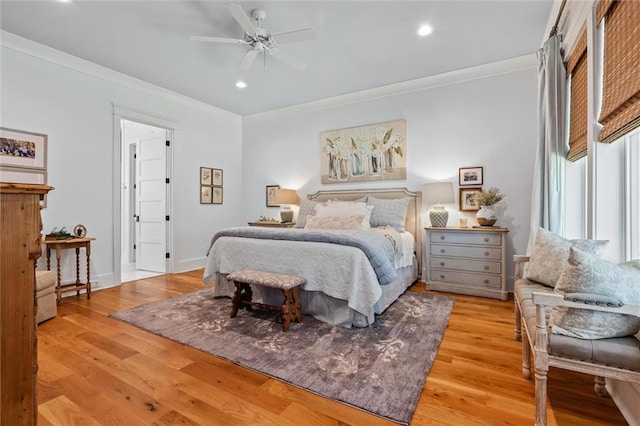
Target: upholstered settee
<point x="586" y="329"/>
<point x="46" y="295"/>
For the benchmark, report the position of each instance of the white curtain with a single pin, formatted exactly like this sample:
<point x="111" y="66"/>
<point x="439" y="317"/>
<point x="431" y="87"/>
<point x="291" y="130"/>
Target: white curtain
<point x="547" y="198"/>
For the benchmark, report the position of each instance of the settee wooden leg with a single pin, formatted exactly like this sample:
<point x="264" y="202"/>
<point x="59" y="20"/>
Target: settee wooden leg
<point x="518" y="321"/>
<point x="541" y="396"/>
<point x="599" y="386"/>
<point x="526" y="357"/>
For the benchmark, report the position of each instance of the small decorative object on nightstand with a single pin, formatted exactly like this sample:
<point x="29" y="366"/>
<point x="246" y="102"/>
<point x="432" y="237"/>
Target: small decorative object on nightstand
<point x="286" y="198"/>
<point x="437" y="194"/>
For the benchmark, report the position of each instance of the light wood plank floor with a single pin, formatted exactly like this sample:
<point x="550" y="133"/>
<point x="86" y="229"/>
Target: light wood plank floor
<point x="94" y="370"/>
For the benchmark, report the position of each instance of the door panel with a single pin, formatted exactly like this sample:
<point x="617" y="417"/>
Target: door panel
<point x="151" y="204"/>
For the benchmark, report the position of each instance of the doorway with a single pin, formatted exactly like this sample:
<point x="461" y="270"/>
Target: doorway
<point x="144" y="189"/>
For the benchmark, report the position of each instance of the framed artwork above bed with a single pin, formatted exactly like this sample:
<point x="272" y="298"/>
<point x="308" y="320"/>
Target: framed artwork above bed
<point x="368" y="153"/>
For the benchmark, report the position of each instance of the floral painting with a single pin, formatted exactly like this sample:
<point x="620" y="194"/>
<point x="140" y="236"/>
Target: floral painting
<point x="375" y="152"/>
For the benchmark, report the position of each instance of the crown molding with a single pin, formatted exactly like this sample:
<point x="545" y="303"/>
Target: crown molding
<point x="444" y="79"/>
<point x="45" y="53"/>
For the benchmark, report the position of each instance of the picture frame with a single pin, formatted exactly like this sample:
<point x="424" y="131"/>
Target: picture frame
<point x="467" y="203"/>
<point x="24" y="175"/>
<point x="206" y="176"/>
<point x="205" y="194"/>
<point x="471" y="176"/>
<point x="270" y="194"/>
<point x="22" y="149"/>
<point x="216" y="177"/>
<point x="216" y="195"/>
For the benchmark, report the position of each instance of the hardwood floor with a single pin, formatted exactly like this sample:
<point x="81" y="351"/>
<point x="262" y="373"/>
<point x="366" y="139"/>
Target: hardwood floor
<point x="94" y="370"/>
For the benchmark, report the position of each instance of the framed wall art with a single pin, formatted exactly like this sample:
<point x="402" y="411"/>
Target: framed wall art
<point x="467" y="200"/>
<point x="216" y="195"/>
<point x="205" y="194"/>
<point x="368" y="153"/>
<point x="23" y="149"/>
<point x="470" y="176"/>
<point x="216" y="177"/>
<point x="205" y="176"/>
<point x="271" y="195"/>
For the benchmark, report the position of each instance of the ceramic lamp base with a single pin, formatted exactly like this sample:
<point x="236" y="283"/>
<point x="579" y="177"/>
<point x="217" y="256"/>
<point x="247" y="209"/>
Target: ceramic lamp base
<point x="439" y="217"/>
<point x="286" y="216"/>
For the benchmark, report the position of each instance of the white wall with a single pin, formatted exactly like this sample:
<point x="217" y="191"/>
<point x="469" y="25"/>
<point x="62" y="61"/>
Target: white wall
<point x="483" y="117"/>
<point x="72" y="102"/>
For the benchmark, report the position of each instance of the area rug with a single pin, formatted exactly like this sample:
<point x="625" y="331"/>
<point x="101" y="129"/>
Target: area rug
<point x="380" y="369"/>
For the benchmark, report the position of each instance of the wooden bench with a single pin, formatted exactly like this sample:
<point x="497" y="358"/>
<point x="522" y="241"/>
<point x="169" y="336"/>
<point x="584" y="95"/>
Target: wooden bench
<point x="289" y="284"/>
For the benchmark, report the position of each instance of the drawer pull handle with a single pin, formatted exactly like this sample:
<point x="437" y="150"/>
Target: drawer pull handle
<point x="486" y="281"/>
<point x="442" y="237"/>
<point x="486" y="239"/>
<point x="486" y="253"/>
<point x="442" y="250"/>
<point x="486" y="267"/>
<point x="441" y="263"/>
<point x="442" y="277"/>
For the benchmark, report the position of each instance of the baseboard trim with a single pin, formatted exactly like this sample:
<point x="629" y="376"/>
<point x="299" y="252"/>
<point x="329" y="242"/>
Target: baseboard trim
<point x="190" y="264"/>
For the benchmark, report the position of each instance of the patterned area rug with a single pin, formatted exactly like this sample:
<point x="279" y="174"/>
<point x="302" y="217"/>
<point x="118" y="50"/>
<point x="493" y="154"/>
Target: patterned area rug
<point x="380" y="369"/>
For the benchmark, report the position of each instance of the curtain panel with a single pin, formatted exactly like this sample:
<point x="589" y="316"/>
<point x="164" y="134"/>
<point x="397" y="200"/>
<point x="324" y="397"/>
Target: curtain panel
<point x="620" y="111"/>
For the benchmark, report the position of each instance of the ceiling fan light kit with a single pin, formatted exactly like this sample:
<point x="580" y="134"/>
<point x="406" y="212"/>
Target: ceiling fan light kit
<point x="261" y="40"/>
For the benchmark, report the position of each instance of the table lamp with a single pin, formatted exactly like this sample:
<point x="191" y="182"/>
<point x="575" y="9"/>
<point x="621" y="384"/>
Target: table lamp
<point x="437" y="194"/>
<point x="286" y="198"/>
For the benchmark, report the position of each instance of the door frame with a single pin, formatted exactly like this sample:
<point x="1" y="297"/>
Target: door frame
<point x="171" y="127"/>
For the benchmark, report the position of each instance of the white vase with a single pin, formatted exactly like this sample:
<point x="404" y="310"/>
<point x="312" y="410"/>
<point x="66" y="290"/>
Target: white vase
<point x="486" y="216"/>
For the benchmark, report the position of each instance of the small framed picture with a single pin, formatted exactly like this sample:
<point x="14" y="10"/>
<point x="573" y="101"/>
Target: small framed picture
<point x="22" y="149"/>
<point x="216" y="177"/>
<point x="205" y="176"/>
<point x="470" y="176"/>
<point x="271" y="195"/>
<point x="216" y="195"/>
<point x="467" y="200"/>
<point x="205" y="194"/>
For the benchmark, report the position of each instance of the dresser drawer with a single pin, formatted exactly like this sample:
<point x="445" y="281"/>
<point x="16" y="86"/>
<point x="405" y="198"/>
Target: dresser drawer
<point x="466" y="265"/>
<point x="479" y="280"/>
<point x="462" y="251"/>
<point x="481" y="238"/>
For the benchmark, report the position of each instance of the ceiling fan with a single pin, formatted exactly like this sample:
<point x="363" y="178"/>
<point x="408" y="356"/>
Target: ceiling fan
<point x="261" y="40"/>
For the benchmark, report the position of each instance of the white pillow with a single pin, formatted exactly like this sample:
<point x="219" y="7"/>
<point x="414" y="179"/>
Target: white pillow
<point x="334" y="222"/>
<point x="307" y="208"/>
<point x="550" y="253"/>
<point x="389" y="212"/>
<point x="342" y="210"/>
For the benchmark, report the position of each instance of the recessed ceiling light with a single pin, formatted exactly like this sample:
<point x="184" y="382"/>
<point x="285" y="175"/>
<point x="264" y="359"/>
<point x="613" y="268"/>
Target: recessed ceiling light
<point x="241" y="84"/>
<point x="425" y="30"/>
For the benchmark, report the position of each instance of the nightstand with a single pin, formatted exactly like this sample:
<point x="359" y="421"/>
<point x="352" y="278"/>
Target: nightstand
<point x="273" y="224"/>
<point x="467" y="261"/>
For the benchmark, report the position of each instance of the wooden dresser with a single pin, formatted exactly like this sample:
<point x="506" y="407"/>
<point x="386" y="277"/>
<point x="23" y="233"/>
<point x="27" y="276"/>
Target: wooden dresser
<point x="20" y="247"/>
<point x="467" y="261"/>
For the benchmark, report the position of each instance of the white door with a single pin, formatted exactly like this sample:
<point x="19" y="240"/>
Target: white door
<point x="151" y="165"/>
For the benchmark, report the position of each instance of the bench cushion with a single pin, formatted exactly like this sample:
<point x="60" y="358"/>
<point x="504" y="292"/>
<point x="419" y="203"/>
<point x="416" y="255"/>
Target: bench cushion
<point x="267" y="279"/>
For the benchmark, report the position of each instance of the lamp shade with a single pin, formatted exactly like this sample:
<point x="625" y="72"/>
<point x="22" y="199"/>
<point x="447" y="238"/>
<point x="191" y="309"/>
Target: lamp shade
<point x="438" y="193"/>
<point x="286" y="197"/>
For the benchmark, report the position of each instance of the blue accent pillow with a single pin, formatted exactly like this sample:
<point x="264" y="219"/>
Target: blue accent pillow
<point x="389" y="212"/>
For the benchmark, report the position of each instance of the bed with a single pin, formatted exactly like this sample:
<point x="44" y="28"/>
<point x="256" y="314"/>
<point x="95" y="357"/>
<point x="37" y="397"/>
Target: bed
<point x="343" y="285"/>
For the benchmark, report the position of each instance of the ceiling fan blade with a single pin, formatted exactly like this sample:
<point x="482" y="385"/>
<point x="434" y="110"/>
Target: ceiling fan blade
<point x="248" y="59"/>
<point x="288" y="59"/>
<point x="243" y="20"/>
<point x="219" y="40"/>
<point x="294" y="36"/>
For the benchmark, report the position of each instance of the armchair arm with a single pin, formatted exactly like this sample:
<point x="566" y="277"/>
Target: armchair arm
<point x="587" y="301"/>
<point x="519" y="261"/>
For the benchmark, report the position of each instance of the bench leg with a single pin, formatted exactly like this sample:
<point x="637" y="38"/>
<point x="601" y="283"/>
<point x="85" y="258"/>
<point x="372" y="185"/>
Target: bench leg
<point x="297" y="306"/>
<point x="599" y="386"/>
<point x="541" y="396"/>
<point x="241" y="297"/>
<point x="526" y="357"/>
<point x="518" y="321"/>
<point x="287" y="310"/>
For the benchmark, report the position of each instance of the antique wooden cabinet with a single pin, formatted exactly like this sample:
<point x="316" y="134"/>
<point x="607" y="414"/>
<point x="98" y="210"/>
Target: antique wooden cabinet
<point x="20" y="247"/>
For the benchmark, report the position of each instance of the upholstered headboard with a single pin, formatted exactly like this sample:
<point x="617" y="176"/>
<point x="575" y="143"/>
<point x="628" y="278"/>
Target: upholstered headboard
<point x="413" y="221"/>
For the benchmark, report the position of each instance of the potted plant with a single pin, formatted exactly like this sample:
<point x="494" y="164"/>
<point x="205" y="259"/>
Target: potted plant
<point x="486" y="216"/>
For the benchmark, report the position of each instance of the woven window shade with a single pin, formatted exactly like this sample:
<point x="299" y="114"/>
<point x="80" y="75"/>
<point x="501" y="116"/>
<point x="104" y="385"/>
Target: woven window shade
<point x="621" y="79"/>
<point x="577" y="68"/>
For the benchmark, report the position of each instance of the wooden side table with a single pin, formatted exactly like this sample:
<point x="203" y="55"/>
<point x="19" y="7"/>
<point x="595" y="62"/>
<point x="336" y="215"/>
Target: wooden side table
<point x="73" y="243"/>
<point x="272" y="224"/>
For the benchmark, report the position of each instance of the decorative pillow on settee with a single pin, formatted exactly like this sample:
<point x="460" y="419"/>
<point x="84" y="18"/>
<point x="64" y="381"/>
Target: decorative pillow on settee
<point x="587" y="273"/>
<point x="550" y="253"/>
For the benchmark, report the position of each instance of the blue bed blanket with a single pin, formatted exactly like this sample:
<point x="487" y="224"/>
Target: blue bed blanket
<point x="378" y="248"/>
